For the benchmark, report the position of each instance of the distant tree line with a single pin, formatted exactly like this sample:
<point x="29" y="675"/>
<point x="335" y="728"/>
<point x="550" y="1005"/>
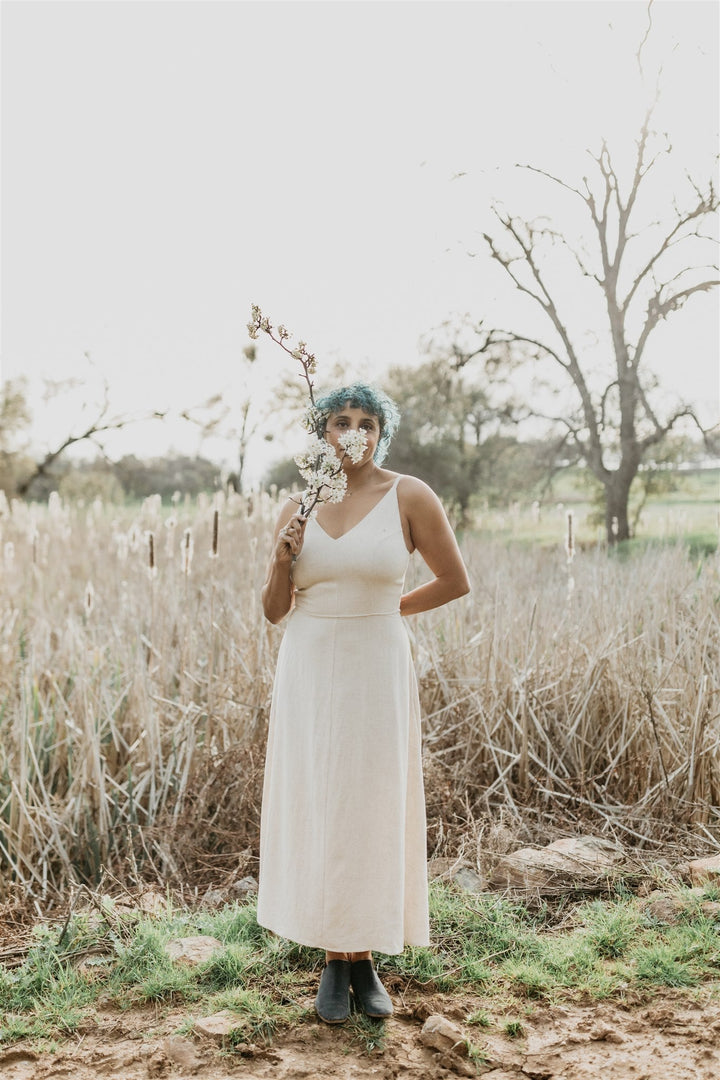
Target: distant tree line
<point x="128" y="478"/>
<point x="461" y="432"/>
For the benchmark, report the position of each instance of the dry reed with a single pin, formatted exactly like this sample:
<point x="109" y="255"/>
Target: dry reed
<point x="135" y="683"/>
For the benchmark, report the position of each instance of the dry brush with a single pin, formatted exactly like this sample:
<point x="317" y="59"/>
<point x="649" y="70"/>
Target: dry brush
<point x="136" y="673"/>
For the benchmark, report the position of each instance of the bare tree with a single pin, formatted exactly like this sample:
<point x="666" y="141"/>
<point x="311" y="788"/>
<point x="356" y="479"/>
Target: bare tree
<point x="643" y="277"/>
<point x="19" y="471"/>
<point x="91" y="431"/>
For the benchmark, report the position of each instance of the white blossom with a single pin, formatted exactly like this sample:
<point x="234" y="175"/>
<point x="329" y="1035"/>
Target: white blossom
<point x="318" y="459"/>
<point x="354" y="443"/>
<point x="334" y="488"/>
<point x="313" y="419"/>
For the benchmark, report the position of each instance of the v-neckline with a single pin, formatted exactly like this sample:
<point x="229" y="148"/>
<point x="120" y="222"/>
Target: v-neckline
<point x="347" y="532"/>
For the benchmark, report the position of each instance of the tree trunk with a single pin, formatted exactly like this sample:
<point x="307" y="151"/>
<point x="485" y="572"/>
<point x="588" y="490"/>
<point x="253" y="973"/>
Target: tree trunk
<point x="617" y="496"/>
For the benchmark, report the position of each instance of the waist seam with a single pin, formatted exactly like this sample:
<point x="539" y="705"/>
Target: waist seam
<point x="349" y="615"/>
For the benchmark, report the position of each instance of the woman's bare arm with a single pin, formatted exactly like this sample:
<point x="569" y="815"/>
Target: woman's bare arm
<point x="278" y="591"/>
<point x="432" y="536"/>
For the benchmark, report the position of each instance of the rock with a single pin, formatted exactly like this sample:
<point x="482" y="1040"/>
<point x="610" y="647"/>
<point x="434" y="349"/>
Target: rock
<point x="439" y="1033"/>
<point x="181" y="1052"/>
<point x="605" y="1033"/>
<point x="702" y="870"/>
<point x="469" y="880"/>
<point x="440" y="867"/>
<point x="664" y="908"/>
<point x="588" y="850"/>
<point x="246" y="886"/>
<point x="572" y="862"/>
<point x="149" y="901"/>
<point x="545" y="1065"/>
<point x="454" y="1063"/>
<point x="214" y="898"/>
<point x="193" y="950"/>
<point x="216" y="1027"/>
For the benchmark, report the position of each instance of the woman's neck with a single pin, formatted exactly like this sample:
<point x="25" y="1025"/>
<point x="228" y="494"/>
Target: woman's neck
<point x="362" y="477"/>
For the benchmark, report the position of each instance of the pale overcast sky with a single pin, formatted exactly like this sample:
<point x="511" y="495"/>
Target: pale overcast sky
<point x="165" y="164"/>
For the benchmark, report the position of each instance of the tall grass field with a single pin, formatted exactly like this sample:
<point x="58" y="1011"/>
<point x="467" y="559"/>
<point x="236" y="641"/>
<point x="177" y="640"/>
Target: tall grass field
<point x="136" y="671"/>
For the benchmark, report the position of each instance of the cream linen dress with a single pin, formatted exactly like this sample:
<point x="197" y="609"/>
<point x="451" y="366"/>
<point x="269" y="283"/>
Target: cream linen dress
<point x="342" y="839"/>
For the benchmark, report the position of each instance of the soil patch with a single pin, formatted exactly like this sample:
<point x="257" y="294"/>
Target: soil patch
<point x="675" y="1035"/>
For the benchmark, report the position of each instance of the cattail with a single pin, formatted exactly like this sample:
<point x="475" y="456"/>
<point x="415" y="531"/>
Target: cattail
<point x="216" y="522"/>
<point x="89" y="599"/>
<point x="570" y="538"/>
<point x="186" y="548"/>
<point x="152" y="568"/>
<point x="134" y="537"/>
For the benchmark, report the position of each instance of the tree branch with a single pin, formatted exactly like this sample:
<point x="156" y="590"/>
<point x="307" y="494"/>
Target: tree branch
<point x="658" y="309"/>
<point x="505" y="262"/>
<point x="707" y="204"/>
<point x="555" y="235"/>
<point x="662" y="430"/>
<point x="572" y="366"/>
<point x="555" y="179"/>
<point x="42" y="467"/>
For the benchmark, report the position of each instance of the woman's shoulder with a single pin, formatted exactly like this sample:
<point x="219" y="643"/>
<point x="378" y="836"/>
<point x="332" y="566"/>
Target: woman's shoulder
<point x="414" y="490"/>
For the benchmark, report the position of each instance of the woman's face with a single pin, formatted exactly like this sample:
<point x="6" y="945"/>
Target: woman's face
<point x="348" y="419"/>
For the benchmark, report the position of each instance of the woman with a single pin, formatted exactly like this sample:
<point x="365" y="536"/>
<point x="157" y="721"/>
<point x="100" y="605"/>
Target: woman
<point x="343" y="845"/>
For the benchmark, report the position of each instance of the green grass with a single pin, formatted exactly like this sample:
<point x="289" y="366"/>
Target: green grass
<point x="502" y="953"/>
<point x="688" y="514"/>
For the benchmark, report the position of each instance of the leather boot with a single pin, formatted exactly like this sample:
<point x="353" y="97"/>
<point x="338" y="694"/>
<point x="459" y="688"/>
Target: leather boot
<point x="370" y="994"/>
<point x="332" y="1003"/>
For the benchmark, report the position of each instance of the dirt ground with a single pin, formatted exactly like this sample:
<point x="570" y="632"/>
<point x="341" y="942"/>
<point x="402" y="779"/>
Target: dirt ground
<point x="674" y="1038"/>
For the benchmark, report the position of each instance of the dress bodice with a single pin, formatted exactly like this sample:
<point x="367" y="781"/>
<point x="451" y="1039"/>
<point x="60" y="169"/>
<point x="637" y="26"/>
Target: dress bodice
<point x="359" y="573"/>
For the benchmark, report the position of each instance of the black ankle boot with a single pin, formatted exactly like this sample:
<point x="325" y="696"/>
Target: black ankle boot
<point x="370" y="994"/>
<point x="332" y="1003"/>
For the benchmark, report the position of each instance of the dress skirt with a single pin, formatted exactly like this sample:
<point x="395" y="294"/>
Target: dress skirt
<point x="343" y="833"/>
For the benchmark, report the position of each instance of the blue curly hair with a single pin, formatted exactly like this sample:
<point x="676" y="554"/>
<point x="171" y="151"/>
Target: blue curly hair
<point x="373" y="401"/>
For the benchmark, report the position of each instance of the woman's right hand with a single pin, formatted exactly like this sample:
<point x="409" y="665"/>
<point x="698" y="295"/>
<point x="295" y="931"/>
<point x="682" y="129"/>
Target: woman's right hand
<point x="289" y="539"/>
